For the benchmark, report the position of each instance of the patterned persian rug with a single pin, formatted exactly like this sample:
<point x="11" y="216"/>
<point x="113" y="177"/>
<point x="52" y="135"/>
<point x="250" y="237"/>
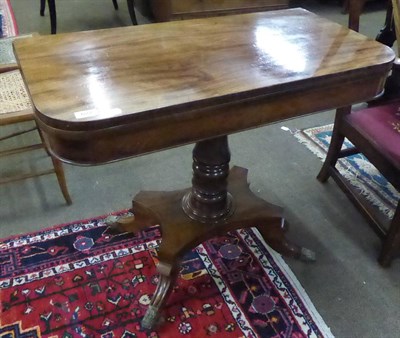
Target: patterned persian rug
<point x="357" y="169"/>
<point x="75" y="280"/>
<point x="8" y="25"/>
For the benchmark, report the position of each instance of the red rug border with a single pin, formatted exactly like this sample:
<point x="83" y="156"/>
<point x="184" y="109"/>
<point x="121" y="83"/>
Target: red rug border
<point x="84" y="220"/>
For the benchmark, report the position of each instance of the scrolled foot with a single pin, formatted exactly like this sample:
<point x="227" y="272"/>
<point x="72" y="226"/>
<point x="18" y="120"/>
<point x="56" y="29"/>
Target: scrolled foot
<point x="276" y="238"/>
<point x="117" y="224"/>
<point x="168" y="274"/>
<point x="140" y="218"/>
<point x="152" y="318"/>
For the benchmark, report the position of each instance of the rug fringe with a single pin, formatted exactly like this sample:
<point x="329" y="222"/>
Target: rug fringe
<point x="314" y="148"/>
<point x="346" y="172"/>
<point x="302" y="294"/>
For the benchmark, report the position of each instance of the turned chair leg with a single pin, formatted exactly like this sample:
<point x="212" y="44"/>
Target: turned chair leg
<point x="335" y="146"/>
<point x="131" y="9"/>
<point x="115" y="3"/>
<point x="391" y="244"/>
<point x="42" y="7"/>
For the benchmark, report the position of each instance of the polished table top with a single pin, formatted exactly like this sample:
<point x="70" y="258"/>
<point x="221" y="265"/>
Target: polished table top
<point x="196" y="78"/>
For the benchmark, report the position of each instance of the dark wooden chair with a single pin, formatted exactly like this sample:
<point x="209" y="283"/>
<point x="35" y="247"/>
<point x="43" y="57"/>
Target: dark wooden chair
<point x="375" y="132"/>
<point x="355" y="8"/>
<point x="53" y="13"/>
<point x="387" y="36"/>
<point x="15" y="108"/>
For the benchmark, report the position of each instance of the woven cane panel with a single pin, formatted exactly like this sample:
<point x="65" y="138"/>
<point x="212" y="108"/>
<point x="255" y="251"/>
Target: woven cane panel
<point x="13" y="95"/>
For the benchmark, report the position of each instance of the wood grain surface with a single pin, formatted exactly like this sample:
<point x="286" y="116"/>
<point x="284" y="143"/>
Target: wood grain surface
<point x="197" y="78"/>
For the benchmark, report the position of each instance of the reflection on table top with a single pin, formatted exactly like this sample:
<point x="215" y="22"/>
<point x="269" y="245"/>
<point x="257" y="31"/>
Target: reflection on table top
<point x="125" y="74"/>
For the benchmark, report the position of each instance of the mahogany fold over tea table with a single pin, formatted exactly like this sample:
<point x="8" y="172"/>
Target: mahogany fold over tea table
<point x="111" y="94"/>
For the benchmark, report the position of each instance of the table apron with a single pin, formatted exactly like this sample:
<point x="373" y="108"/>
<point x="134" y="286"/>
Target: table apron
<point x="119" y="142"/>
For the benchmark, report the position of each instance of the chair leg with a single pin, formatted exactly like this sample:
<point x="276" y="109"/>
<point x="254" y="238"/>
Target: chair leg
<point x="59" y="170"/>
<point x="335" y="146"/>
<point x="387" y="34"/>
<point x="53" y="16"/>
<point x="355" y="9"/>
<point x="115" y="3"/>
<point x="391" y="244"/>
<point x="131" y="9"/>
<point x="42" y="7"/>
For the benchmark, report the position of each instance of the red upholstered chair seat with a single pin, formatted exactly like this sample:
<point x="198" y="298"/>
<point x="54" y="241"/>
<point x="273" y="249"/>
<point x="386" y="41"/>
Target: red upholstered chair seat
<point x="381" y="126"/>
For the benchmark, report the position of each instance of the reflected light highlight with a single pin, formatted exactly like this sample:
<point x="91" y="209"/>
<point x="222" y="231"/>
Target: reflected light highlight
<point x="100" y="99"/>
<point x="273" y="46"/>
<point x="97" y="93"/>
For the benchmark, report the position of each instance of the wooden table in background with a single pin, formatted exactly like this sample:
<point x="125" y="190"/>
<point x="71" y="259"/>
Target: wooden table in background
<point x="107" y="95"/>
<point x="167" y="10"/>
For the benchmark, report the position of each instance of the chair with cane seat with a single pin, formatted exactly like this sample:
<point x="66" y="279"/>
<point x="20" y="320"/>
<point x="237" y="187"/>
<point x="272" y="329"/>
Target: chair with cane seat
<point x="53" y="13"/>
<point x="15" y="108"/>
